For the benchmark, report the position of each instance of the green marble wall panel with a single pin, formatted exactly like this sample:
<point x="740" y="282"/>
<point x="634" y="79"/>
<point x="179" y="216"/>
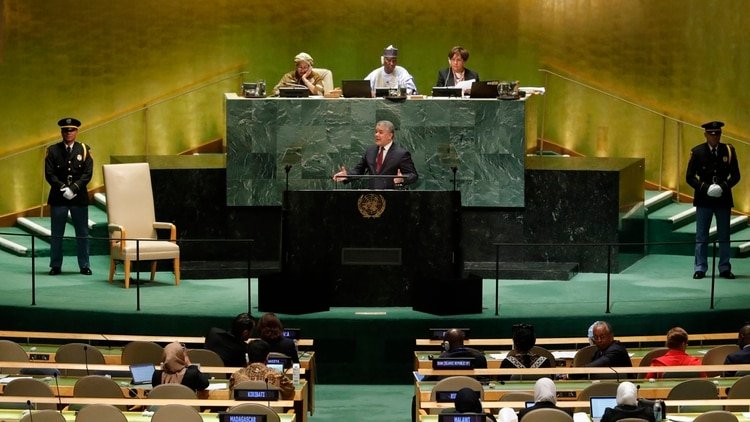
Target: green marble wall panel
<point x="484" y="139"/>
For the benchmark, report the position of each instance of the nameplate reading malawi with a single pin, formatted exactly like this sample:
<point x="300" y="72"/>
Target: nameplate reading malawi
<point x="453" y="363"/>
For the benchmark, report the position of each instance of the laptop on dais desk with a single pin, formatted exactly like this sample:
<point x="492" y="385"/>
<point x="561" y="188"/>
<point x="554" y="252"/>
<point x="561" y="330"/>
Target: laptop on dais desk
<point x="484" y="89"/>
<point x="356" y="88"/>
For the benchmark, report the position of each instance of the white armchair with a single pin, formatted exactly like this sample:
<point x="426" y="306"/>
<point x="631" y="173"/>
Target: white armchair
<point x="130" y="211"/>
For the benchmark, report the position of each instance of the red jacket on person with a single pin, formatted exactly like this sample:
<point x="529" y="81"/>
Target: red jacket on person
<point x="673" y="358"/>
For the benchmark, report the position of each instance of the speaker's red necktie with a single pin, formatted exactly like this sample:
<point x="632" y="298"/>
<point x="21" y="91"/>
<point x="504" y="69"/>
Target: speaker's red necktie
<point x="379" y="161"/>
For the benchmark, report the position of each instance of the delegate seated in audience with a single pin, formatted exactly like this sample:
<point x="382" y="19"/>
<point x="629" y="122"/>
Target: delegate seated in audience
<point x="466" y="401"/>
<point x="177" y="369"/>
<point x="627" y="405"/>
<point x="741" y="356"/>
<point x="523" y="340"/>
<point x="231" y="345"/>
<point x="303" y="75"/>
<point x="271" y="331"/>
<point x="454" y="348"/>
<point x="610" y="352"/>
<point x="677" y="340"/>
<point x="507" y="414"/>
<point x="257" y="351"/>
<point x="545" y="397"/>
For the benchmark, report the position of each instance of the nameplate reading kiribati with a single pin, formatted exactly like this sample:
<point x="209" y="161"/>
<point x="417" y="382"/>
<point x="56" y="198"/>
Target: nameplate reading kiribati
<point x="453" y="363"/>
<point x="252" y="394"/>
<point x="371" y="205"/>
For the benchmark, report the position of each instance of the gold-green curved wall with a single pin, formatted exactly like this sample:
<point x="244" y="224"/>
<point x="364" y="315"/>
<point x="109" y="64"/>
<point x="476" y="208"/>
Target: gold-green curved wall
<point x="147" y="76"/>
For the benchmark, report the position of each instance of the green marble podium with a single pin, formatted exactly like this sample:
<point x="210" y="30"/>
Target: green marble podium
<point x="482" y="139"/>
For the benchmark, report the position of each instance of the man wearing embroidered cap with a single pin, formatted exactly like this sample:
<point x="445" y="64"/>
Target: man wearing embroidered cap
<point x="68" y="167"/>
<point x="712" y="171"/>
<point x="390" y="75"/>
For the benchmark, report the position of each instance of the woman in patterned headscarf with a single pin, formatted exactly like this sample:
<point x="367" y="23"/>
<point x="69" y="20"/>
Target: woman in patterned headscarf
<point x="176" y="369"/>
<point x="302" y="75"/>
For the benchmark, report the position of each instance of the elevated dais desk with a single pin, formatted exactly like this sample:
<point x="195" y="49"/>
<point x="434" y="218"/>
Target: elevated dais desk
<point x="484" y="139"/>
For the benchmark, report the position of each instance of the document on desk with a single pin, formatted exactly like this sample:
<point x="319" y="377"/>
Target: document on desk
<point x="581" y="417"/>
<point x="6" y="379"/>
<point x="217" y="386"/>
<point x="677" y="418"/>
<point x="499" y="356"/>
<point x="564" y="354"/>
<point x="465" y="84"/>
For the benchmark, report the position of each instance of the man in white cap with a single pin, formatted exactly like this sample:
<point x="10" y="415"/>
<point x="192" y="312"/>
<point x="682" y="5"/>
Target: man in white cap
<point x="390" y="75"/>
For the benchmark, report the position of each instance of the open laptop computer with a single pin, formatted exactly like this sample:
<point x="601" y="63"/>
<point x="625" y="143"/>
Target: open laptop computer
<point x="484" y="89"/>
<point x="142" y="373"/>
<point x="599" y="404"/>
<point x="356" y="88"/>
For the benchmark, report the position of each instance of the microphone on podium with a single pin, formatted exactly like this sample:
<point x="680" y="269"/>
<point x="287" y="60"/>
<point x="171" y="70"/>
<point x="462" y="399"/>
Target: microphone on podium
<point x="287" y="168"/>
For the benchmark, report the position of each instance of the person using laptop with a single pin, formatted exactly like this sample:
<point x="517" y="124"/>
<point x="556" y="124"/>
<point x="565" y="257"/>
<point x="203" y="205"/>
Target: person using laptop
<point x="231" y="345"/>
<point x="177" y="369"/>
<point x="627" y="405"/>
<point x="303" y="75"/>
<point x="390" y="75"/>
<point x="385" y="157"/>
<point x="545" y="397"/>
<point x="256" y="370"/>
<point x="456" y="72"/>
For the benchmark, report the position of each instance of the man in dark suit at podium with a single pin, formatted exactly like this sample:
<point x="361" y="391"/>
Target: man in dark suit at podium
<point x="383" y="158"/>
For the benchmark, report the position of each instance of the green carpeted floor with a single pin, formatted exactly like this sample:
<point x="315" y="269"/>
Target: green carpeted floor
<point x="373" y="346"/>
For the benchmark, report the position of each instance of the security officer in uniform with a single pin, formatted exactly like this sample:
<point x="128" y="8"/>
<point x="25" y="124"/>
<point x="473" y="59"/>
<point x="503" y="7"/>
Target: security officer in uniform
<point x="68" y="167"/>
<point x="712" y="171"/>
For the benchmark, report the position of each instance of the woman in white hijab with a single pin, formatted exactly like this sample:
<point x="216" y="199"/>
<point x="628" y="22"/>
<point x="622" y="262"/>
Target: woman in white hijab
<point x="545" y="397"/>
<point x="627" y="405"/>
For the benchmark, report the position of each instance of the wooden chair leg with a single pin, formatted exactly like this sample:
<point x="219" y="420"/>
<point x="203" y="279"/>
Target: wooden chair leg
<point x="111" y="269"/>
<point x="177" y="271"/>
<point x="126" y="265"/>
<point x="153" y="269"/>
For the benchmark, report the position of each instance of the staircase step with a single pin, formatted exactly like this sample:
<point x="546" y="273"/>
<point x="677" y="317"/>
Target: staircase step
<point x="524" y="270"/>
<point x="17" y="241"/>
<point x="655" y="200"/>
<point x="41" y="227"/>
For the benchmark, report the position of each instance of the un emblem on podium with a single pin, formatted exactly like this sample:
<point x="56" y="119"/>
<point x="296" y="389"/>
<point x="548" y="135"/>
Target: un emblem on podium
<point x="371" y="205"/>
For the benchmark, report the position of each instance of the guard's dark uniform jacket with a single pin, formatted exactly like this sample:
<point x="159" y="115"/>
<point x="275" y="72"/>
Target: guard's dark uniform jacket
<point x="73" y="170"/>
<point x="704" y="169"/>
